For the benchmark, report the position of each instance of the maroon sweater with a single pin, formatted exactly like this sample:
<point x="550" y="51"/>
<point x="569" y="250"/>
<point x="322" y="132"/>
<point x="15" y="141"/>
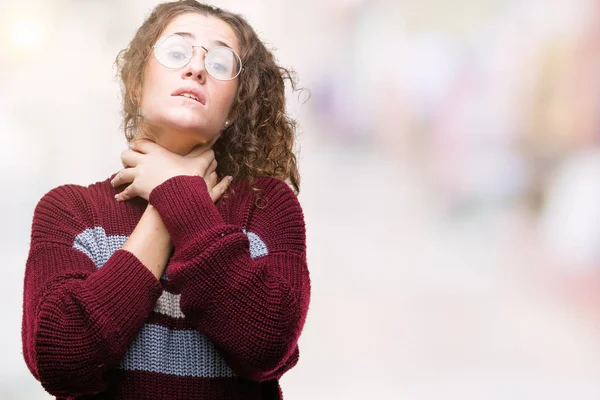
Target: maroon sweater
<point x="222" y="323"/>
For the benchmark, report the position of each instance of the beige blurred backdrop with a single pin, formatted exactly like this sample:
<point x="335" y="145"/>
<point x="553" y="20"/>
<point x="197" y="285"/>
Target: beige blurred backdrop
<point x="450" y="161"/>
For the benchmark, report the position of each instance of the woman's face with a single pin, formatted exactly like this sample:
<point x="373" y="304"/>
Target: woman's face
<point x="176" y="122"/>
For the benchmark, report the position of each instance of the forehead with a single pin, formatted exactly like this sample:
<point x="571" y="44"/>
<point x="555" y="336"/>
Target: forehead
<point x="205" y="28"/>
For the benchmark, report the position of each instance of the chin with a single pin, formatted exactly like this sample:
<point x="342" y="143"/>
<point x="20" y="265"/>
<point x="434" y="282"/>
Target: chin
<point x="184" y="124"/>
<point x="193" y="134"/>
<point x="187" y="129"/>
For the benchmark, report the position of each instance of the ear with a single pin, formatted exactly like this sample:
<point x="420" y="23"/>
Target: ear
<point x="232" y="114"/>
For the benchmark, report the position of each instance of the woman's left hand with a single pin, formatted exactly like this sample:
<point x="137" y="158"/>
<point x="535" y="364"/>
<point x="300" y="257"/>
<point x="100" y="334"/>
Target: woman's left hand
<point x="148" y="164"/>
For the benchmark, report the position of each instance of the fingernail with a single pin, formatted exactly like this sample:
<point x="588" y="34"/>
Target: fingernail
<point x="230" y="178"/>
<point x="117" y="196"/>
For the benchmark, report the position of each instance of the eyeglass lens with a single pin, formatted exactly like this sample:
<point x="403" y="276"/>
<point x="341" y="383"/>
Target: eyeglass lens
<point x="174" y="51"/>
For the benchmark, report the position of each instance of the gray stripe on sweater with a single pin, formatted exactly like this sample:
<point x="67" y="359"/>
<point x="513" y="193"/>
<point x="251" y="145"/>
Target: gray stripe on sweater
<point x="175" y="352"/>
<point x="258" y="248"/>
<point x="169" y="304"/>
<point x="97" y="246"/>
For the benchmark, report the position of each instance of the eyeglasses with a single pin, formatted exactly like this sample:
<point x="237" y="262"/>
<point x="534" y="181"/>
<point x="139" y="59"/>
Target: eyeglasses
<point x="174" y="51"/>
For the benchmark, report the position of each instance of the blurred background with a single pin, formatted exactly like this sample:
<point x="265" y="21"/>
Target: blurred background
<point x="450" y="156"/>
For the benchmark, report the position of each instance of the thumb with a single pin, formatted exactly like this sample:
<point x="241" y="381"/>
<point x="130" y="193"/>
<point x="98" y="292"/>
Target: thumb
<point x="219" y="189"/>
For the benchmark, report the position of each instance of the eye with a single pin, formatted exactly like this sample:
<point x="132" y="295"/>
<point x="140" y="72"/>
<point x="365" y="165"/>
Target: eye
<point x="176" y="54"/>
<point x="218" y="66"/>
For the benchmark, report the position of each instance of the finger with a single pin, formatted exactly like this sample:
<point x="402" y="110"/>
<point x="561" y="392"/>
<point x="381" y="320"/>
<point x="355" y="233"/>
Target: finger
<point x="220" y="188"/>
<point x="144" y="146"/>
<point x="126" y="175"/>
<point x="130" y="158"/>
<point x="211" y="180"/>
<point x="201" y="148"/>
<point x="208" y="155"/>
<point x="211" y="169"/>
<point x="128" y="193"/>
<point x="198" y="150"/>
<point x="206" y="160"/>
<point x="203" y="162"/>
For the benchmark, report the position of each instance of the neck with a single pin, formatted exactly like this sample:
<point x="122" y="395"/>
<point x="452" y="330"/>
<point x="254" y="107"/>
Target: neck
<point x="175" y="141"/>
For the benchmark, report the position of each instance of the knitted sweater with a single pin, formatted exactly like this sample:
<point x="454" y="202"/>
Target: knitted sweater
<point x="222" y="323"/>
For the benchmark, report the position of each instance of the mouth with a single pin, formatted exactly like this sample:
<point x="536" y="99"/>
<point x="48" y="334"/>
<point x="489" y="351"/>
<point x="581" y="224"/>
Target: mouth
<point x="193" y="98"/>
<point x="191" y="93"/>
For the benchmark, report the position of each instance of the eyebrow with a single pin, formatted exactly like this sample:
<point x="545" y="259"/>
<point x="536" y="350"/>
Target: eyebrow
<point x="193" y="37"/>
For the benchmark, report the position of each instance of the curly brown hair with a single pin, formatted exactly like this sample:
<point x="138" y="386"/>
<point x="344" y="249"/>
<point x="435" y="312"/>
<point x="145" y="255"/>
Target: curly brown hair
<point x="261" y="141"/>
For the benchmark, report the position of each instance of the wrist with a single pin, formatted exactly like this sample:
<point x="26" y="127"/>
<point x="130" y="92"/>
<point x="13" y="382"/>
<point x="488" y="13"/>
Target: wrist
<point x="152" y="222"/>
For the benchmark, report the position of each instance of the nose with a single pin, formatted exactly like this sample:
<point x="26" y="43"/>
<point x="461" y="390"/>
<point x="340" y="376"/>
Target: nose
<point x="196" y="69"/>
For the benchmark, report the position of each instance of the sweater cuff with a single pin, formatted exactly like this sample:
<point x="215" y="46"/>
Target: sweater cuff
<point x="185" y="207"/>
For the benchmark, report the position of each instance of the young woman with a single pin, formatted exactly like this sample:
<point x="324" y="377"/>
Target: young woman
<point x="184" y="275"/>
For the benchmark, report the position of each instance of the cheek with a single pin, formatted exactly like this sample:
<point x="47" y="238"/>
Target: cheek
<point x="225" y="98"/>
<point x="151" y="79"/>
<point x="151" y="87"/>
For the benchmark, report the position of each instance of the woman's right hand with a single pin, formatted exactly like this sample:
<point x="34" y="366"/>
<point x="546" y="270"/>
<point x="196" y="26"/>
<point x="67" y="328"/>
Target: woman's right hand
<point x="148" y="164"/>
<point x="215" y="188"/>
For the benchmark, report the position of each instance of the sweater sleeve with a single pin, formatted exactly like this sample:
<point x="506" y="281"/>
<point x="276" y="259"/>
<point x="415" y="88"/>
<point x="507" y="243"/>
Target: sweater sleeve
<point x="78" y="321"/>
<point x="250" y="302"/>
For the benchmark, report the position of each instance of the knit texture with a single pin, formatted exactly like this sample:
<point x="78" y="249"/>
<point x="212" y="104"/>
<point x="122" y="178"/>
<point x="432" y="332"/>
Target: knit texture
<point x="222" y="323"/>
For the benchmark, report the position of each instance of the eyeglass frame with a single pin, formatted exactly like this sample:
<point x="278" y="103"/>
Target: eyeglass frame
<point x="193" y="46"/>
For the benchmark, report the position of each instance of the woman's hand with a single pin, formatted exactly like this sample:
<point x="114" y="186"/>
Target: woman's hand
<point x="148" y="164"/>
